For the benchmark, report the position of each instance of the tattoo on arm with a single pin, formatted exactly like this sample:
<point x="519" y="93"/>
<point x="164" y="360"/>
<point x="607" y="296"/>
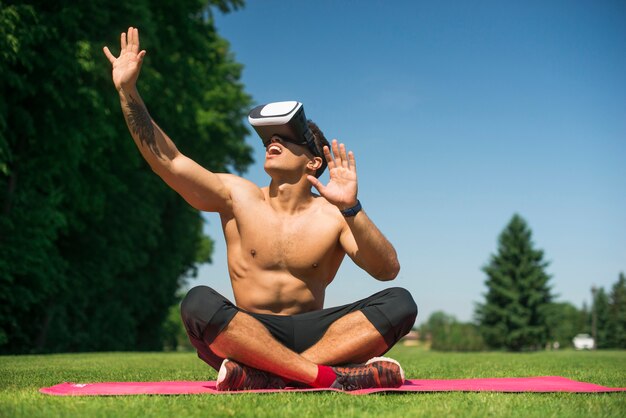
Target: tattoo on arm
<point x="141" y="124"/>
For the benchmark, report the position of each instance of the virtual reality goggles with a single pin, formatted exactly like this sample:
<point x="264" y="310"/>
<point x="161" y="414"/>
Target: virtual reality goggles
<point x="283" y="119"/>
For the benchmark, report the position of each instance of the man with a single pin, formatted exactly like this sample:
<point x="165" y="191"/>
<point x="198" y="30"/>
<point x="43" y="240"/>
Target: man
<point x="284" y="246"/>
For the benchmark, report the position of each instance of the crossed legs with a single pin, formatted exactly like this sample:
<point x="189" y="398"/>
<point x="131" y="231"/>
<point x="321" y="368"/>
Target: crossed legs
<point x="351" y="339"/>
<point x="349" y="334"/>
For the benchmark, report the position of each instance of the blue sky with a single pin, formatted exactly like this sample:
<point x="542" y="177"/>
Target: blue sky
<point x="460" y="114"/>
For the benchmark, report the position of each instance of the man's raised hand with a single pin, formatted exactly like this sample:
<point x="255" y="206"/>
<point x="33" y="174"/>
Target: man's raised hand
<point x="126" y="67"/>
<point x="342" y="188"/>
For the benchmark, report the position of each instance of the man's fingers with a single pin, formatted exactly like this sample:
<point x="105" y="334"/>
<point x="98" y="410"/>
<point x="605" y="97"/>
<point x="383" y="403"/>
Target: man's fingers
<point x="352" y="161"/>
<point x="129" y="42"/>
<point x="343" y="155"/>
<point x="129" y="38"/>
<point x="329" y="158"/>
<point x="108" y="54"/>
<point x="131" y="47"/>
<point x="336" y="154"/>
<point x="135" y="43"/>
<point x="316" y="183"/>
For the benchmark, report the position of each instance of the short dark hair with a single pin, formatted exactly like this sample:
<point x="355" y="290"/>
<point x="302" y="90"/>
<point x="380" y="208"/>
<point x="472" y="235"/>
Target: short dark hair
<point x="320" y="141"/>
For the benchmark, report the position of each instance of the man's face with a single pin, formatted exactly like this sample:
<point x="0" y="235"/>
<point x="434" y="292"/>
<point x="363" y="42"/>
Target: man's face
<point x="286" y="156"/>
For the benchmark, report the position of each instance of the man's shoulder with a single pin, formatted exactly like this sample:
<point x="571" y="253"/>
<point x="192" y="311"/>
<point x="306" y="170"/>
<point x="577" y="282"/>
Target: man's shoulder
<point x="326" y="207"/>
<point x="240" y="186"/>
<point x="235" y="180"/>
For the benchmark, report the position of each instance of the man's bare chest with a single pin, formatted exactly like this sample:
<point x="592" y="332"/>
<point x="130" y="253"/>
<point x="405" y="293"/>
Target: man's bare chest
<point x="295" y="242"/>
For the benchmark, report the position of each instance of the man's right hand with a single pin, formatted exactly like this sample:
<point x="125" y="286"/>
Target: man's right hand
<point x="126" y="67"/>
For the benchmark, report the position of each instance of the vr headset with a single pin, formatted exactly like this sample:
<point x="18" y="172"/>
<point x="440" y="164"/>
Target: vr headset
<point x="286" y="120"/>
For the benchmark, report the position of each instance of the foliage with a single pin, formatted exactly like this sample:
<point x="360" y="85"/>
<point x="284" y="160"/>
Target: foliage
<point x="174" y="334"/>
<point x="610" y="315"/>
<point x="585" y="319"/>
<point x="513" y="315"/>
<point x="601" y="312"/>
<point x="448" y="334"/>
<point x="617" y="314"/>
<point x="564" y="322"/>
<point x="93" y="246"/>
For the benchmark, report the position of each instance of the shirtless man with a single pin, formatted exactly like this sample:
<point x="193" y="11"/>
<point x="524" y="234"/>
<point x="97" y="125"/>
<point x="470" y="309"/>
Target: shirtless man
<point x="284" y="247"/>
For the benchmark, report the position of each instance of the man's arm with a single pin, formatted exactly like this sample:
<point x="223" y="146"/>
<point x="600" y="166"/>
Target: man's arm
<point x="369" y="248"/>
<point x="360" y="238"/>
<point x="201" y="188"/>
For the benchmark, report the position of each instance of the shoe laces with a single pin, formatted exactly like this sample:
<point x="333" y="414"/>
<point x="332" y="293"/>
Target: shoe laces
<point x="352" y="378"/>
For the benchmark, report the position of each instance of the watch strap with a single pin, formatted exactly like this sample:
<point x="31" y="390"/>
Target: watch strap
<point x="353" y="210"/>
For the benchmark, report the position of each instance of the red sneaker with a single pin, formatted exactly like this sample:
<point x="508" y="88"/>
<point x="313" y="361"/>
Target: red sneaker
<point x="235" y="376"/>
<point x="378" y="372"/>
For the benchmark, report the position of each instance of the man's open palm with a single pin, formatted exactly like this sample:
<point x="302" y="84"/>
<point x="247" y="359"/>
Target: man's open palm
<point x="342" y="188"/>
<point x="126" y="67"/>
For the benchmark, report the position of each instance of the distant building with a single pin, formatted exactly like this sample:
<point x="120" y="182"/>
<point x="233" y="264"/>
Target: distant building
<point x="583" y="342"/>
<point x="411" y="339"/>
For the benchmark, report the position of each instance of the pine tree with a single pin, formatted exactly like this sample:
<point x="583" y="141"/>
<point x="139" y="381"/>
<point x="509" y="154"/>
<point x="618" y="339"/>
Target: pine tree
<point x="617" y="313"/>
<point x="513" y="315"/>
<point x="601" y="312"/>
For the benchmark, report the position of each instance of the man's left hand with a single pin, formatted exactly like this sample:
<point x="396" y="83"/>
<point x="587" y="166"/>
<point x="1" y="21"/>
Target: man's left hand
<point x="342" y="188"/>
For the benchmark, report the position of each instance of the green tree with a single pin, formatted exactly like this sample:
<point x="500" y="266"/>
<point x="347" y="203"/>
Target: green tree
<point x="513" y="315"/>
<point x="601" y="312"/>
<point x="448" y="334"/>
<point x="564" y="322"/>
<point x="617" y="314"/>
<point x="174" y="334"/>
<point x="93" y="246"/>
<point x="585" y="319"/>
<point x="438" y="322"/>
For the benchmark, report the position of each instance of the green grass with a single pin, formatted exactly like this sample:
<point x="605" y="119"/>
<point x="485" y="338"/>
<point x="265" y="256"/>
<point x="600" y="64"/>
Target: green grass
<point x="22" y="376"/>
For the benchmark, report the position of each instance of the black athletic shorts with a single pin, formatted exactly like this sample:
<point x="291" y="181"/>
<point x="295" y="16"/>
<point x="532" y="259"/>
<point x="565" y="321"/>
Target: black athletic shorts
<point x="206" y="313"/>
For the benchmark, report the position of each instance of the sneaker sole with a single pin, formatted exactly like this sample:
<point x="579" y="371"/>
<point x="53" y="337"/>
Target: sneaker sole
<point x="390" y="360"/>
<point x="232" y="377"/>
<point x="221" y="374"/>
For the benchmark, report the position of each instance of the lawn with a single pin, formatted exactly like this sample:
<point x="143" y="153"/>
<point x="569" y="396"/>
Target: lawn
<point x="22" y="376"/>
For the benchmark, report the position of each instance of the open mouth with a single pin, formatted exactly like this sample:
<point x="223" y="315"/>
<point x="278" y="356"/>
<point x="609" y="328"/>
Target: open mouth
<point x="274" y="150"/>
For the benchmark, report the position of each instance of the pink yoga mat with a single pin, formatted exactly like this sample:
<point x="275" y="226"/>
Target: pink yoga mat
<point x="506" y="384"/>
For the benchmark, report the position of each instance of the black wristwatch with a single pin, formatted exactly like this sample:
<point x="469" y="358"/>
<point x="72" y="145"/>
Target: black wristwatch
<point x="353" y="210"/>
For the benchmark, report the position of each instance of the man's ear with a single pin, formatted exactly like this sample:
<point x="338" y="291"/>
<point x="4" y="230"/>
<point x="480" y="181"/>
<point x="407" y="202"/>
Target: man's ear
<point x="315" y="163"/>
